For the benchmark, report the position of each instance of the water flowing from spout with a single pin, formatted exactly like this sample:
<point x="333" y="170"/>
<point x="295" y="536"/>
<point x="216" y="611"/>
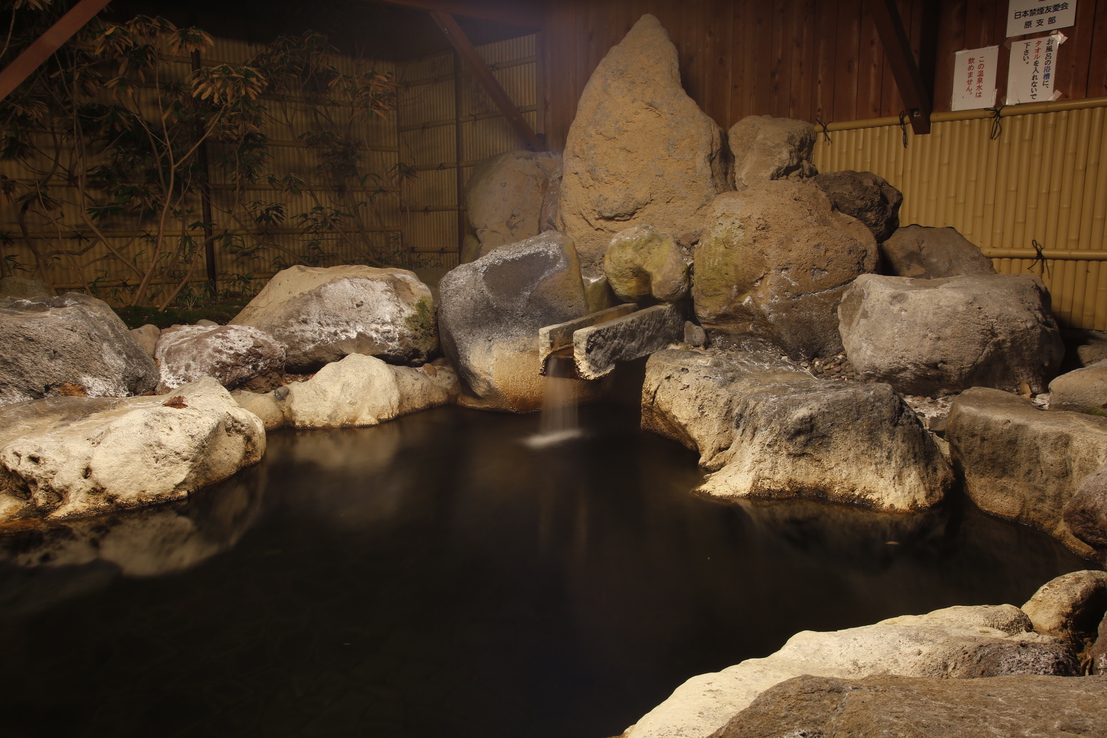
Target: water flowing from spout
<point x="559" y="404"/>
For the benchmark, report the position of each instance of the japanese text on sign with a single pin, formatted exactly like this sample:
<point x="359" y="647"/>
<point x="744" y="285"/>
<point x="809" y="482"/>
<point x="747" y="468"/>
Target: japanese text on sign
<point x="974" y="82"/>
<point x="1034" y="16"/>
<point x="1030" y="77"/>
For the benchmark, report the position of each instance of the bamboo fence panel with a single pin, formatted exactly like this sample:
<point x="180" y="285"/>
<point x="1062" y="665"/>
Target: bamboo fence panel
<point x="84" y="264"/>
<point x="447" y="125"/>
<point x="1033" y="197"/>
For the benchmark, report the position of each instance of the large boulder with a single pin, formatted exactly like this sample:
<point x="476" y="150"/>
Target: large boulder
<point x="907" y="707"/>
<point x="1082" y="390"/>
<point x="959" y="642"/>
<point x="323" y="314"/>
<point x="924" y="252"/>
<point x="767" y="148"/>
<point x="764" y="428"/>
<point x="504" y="197"/>
<point x="70" y="456"/>
<point x="639" y="150"/>
<point x="490" y="313"/>
<point x="925" y="336"/>
<point x="643" y="264"/>
<point x="774" y="261"/>
<point x="865" y="196"/>
<point x="72" y="344"/>
<point x="232" y="354"/>
<point x="1070" y="607"/>
<point x="1021" y="463"/>
<point x="1085" y="514"/>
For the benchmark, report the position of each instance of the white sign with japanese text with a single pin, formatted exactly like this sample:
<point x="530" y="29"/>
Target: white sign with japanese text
<point x="974" y="78"/>
<point x="1030" y="77"/>
<point x="1039" y="16"/>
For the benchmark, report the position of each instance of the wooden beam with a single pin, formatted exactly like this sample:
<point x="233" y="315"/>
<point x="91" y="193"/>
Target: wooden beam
<point x="32" y="57"/>
<point x="897" y="50"/>
<point x="469" y="55"/>
<point x="512" y="12"/>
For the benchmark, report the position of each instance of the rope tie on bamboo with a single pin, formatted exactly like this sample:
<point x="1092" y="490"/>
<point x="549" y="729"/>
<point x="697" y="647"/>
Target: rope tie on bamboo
<point x="903" y="126"/>
<point x="1040" y="258"/>
<point x="997" y="126"/>
<point x="825" y="130"/>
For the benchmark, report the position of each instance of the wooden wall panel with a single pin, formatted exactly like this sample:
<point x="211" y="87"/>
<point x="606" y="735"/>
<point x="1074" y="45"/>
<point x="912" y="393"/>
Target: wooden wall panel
<point x="806" y="59"/>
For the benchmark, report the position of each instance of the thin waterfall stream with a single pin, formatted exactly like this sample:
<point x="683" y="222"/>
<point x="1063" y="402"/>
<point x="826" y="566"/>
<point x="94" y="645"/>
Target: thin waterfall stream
<point x="560" y="419"/>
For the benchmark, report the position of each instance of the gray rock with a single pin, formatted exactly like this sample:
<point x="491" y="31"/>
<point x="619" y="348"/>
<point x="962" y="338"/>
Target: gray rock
<point x="642" y="264"/>
<point x="865" y="196"/>
<point x="24" y="288"/>
<point x="694" y="335"/>
<point x="1070" y="607"/>
<point x="504" y="197"/>
<point x="147" y="337"/>
<point x="765" y="428"/>
<point x="324" y="314"/>
<point x="767" y="148"/>
<point x="879" y="706"/>
<point x="554" y="338"/>
<point x="1081" y="390"/>
<point x="69" y="456"/>
<point x="953" y="642"/>
<point x="1021" y="463"/>
<point x="598" y="348"/>
<point x="639" y="150"/>
<point x="492" y="309"/>
<point x="1085" y="514"/>
<point x="923" y="252"/>
<point x="926" y="336"/>
<point x="73" y="343"/>
<point x="232" y="354"/>
<point x="773" y="263"/>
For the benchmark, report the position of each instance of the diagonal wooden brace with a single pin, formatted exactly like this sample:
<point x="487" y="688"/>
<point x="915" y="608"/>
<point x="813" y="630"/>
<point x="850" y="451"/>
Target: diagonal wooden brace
<point x="469" y="55"/>
<point x="897" y="50"/>
<point x="32" y="57"/>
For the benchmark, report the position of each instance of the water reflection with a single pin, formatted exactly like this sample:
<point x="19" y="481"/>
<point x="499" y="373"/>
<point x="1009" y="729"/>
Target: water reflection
<point x="45" y="564"/>
<point x="437" y="575"/>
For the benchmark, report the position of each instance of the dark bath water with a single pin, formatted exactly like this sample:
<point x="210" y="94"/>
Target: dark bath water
<point x="436" y="576"/>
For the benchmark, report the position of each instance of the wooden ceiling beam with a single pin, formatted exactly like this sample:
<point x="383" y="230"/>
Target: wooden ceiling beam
<point x="897" y="50"/>
<point x="32" y="57"/>
<point x="514" y="13"/>
<point x="468" y="54"/>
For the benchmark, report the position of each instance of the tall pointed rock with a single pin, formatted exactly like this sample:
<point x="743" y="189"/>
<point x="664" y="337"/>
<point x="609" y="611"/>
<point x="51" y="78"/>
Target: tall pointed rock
<point x="640" y="151"/>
